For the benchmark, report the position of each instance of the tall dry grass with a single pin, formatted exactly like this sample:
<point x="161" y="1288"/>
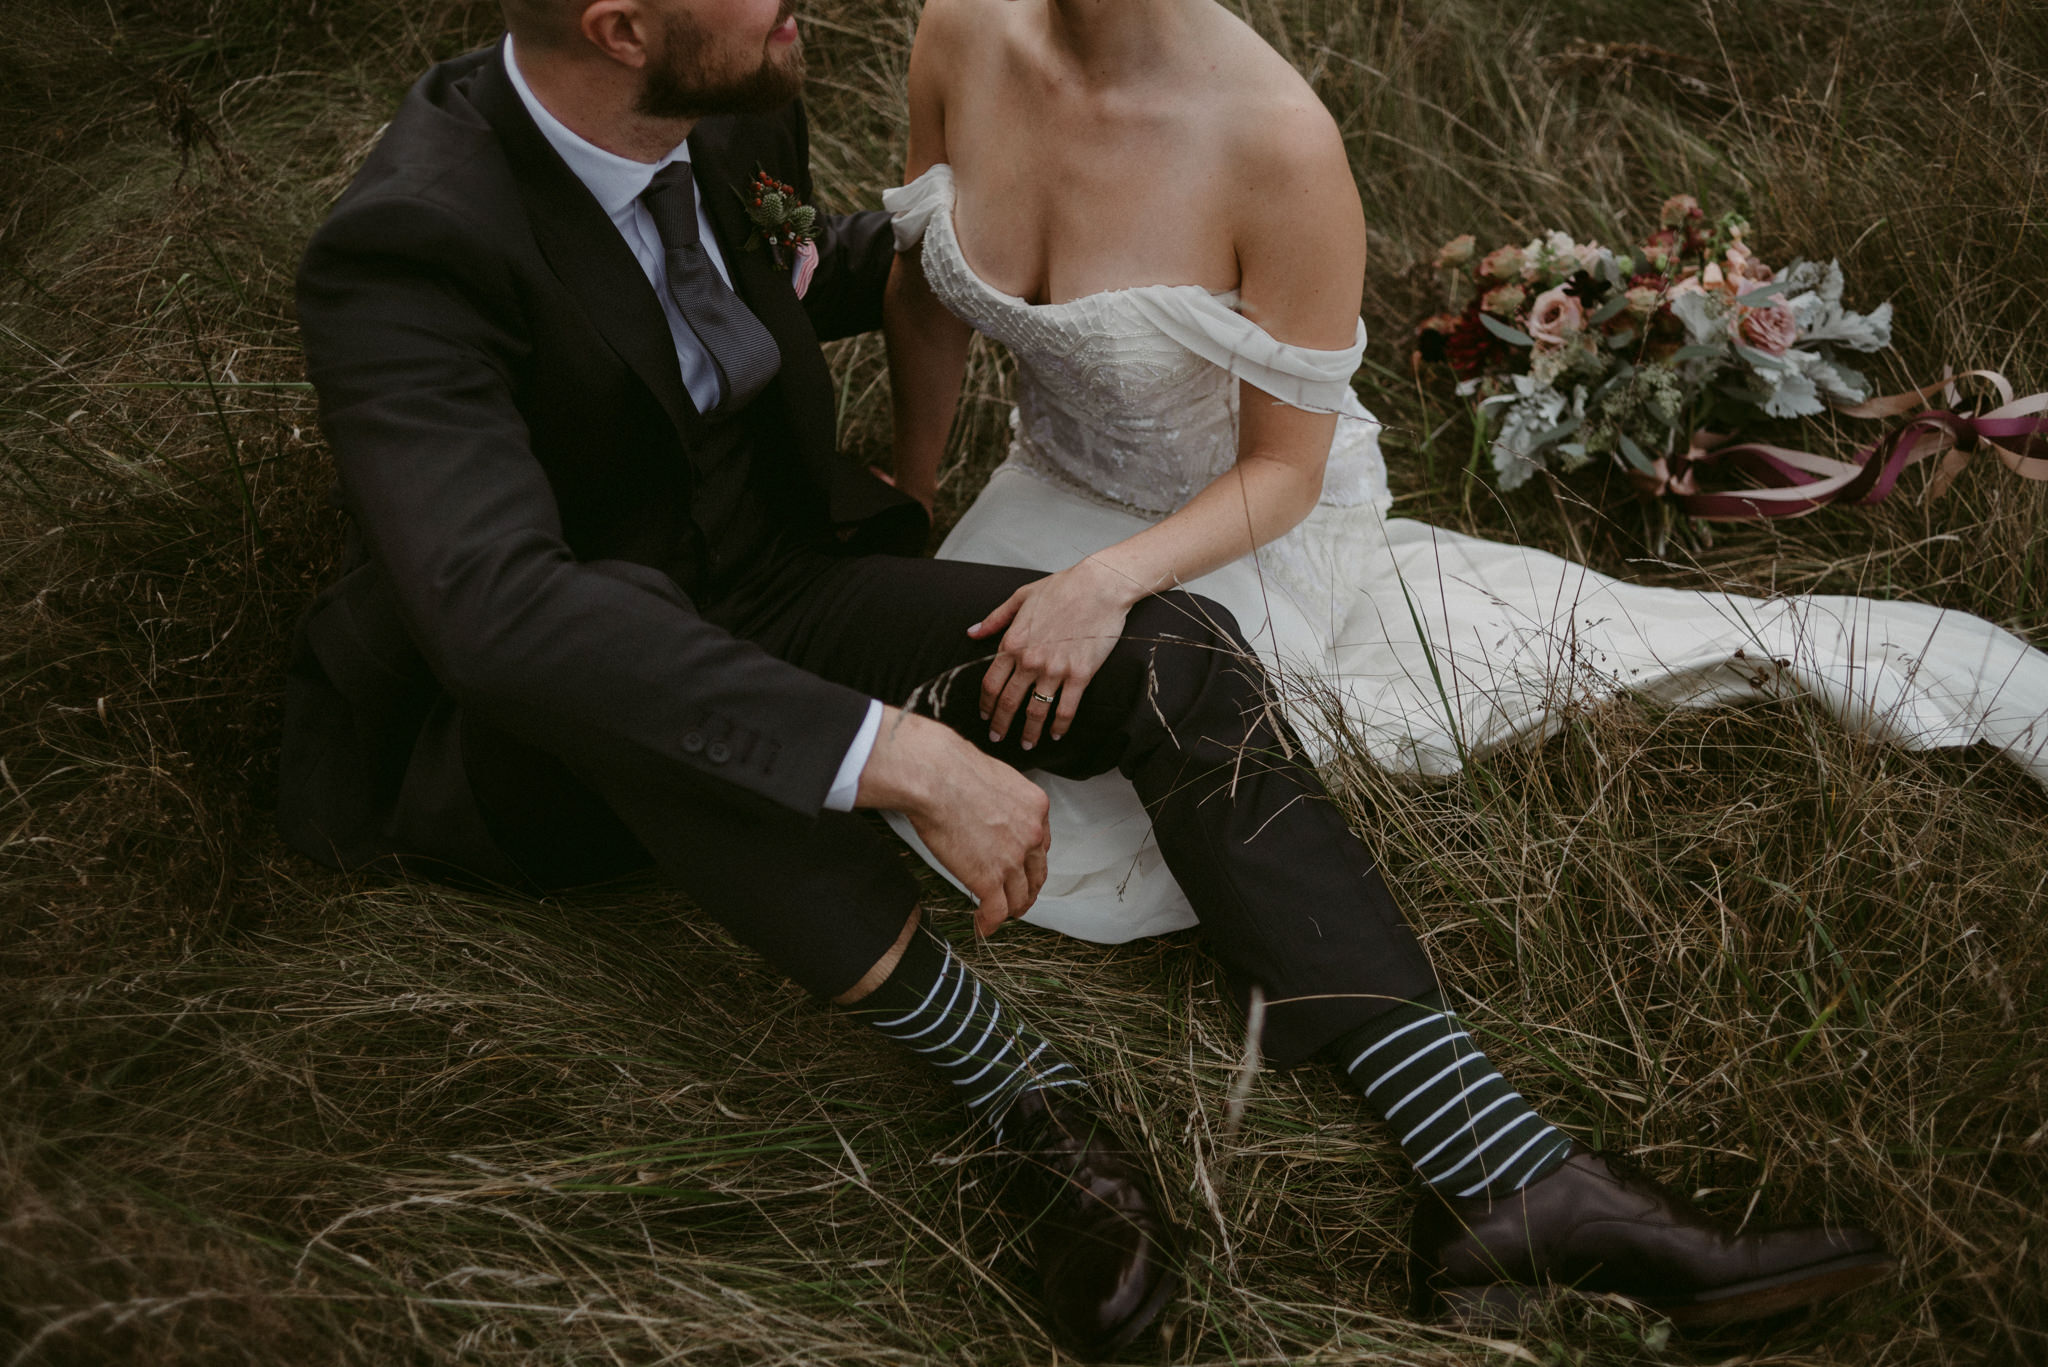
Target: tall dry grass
<point x="258" y="1113"/>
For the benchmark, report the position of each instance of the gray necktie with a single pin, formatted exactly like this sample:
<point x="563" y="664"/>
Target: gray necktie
<point x="740" y="348"/>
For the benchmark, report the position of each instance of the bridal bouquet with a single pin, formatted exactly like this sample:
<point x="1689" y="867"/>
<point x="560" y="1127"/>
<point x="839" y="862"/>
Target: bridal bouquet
<point x="1575" y="352"/>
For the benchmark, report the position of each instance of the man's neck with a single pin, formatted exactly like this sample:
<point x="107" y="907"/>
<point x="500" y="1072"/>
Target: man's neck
<point x="598" y="104"/>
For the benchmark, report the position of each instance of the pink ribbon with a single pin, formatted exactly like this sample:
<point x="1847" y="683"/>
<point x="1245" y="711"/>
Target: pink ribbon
<point x="1799" y="482"/>
<point x="806" y="266"/>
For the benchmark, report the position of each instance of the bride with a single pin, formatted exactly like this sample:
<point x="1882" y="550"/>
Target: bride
<point x="1153" y="213"/>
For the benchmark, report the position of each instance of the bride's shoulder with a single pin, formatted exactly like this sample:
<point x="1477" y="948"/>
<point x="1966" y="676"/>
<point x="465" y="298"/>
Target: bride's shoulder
<point x="959" y="46"/>
<point x="1294" y="207"/>
<point x="956" y="28"/>
<point x="1293" y="210"/>
<point x="1276" y="130"/>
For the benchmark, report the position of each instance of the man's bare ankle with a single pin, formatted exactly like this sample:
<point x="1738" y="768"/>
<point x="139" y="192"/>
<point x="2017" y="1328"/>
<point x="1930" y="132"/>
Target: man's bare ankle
<point x="884" y="966"/>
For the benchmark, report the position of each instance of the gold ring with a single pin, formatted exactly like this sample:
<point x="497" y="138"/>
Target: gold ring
<point x="1037" y="696"/>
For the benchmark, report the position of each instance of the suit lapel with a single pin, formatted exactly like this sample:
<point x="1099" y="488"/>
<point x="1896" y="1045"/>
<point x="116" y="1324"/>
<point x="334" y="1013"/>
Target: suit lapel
<point x="584" y="247"/>
<point x="805" y="381"/>
<point x="809" y="397"/>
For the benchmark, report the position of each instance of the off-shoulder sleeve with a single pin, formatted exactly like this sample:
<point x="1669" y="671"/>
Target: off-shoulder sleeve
<point x="1303" y="377"/>
<point x="911" y="207"/>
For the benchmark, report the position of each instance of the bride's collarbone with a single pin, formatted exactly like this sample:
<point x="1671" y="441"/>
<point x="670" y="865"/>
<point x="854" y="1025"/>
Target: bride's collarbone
<point x="1062" y="233"/>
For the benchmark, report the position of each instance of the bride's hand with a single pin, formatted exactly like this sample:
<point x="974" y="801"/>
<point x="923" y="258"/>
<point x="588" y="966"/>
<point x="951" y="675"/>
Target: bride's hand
<point x="1056" y="633"/>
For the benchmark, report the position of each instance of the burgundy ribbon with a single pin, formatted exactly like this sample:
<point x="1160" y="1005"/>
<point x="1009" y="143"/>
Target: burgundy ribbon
<point x="1798" y="482"/>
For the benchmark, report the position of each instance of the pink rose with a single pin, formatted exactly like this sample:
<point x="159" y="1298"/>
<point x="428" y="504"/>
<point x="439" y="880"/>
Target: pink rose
<point x="1743" y="265"/>
<point x="1554" y="316"/>
<point x="1457" y="252"/>
<point x="1678" y="210"/>
<point x="1504" y="301"/>
<point x="1662" y="248"/>
<point x="1644" y="300"/>
<point x="1771" y="329"/>
<point x="1503" y="263"/>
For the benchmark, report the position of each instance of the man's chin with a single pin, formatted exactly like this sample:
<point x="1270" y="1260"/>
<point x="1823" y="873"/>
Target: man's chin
<point x="777" y="81"/>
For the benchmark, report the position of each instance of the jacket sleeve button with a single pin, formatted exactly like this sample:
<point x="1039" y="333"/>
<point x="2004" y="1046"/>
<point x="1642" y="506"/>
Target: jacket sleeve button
<point x="718" y="752"/>
<point x="693" y="742"/>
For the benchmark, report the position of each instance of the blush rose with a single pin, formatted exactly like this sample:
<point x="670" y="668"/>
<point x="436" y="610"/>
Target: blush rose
<point x="1771" y="329"/>
<point x="1554" y="316"/>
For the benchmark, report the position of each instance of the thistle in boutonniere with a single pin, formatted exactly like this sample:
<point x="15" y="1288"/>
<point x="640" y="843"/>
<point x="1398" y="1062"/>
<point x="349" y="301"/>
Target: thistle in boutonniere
<point x="784" y="226"/>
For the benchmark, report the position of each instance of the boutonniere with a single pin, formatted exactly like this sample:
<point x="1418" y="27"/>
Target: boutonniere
<point x="783" y="227"/>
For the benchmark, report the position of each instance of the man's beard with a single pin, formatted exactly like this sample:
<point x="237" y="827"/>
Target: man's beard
<point x="677" y="85"/>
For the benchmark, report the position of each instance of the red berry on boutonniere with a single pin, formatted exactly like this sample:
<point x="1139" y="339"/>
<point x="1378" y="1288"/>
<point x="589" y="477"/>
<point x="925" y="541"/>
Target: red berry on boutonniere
<point x="784" y="225"/>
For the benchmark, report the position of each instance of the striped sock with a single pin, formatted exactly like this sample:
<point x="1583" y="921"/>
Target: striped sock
<point x="933" y="1005"/>
<point x="1466" y="1131"/>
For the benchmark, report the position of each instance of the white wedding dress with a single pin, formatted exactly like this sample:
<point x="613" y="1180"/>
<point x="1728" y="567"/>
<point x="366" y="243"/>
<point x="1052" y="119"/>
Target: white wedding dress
<point x="1439" y="646"/>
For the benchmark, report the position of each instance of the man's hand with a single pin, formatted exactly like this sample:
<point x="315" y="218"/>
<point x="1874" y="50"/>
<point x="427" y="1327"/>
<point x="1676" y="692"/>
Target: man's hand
<point x="982" y="819"/>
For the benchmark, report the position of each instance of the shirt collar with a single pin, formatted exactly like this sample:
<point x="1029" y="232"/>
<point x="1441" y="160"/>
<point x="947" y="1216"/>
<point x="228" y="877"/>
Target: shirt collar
<point x="615" y="181"/>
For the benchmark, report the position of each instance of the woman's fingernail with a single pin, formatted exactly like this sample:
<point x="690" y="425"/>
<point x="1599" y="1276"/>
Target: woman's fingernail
<point x="995" y="737"/>
<point x="984" y="716"/>
<point x="1029" y="744"/>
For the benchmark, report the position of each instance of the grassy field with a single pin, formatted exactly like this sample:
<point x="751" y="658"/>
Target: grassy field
<point x="252" y="1112"/>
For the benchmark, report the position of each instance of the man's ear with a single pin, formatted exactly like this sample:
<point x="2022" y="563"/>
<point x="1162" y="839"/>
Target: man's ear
<point x="621" y="29"/>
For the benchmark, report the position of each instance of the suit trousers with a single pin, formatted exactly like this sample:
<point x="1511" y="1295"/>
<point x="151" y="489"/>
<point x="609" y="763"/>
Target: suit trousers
<point x="1288" y="897"/>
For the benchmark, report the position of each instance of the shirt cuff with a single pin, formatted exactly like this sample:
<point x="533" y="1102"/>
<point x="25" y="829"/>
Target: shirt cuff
<point x="846" y="787"/>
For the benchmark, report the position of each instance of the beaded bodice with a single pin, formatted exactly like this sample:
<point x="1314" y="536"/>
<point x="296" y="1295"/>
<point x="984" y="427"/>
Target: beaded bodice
<point x="1131" y="395"/>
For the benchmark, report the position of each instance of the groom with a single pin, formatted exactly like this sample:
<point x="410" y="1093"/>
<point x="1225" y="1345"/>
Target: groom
<point x="614" y="598"/>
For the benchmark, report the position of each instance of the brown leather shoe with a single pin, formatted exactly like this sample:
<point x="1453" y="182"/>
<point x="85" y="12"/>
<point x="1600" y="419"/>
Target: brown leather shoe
<point x="1595" y="1226"/>
<point x="1103" y="1250"/>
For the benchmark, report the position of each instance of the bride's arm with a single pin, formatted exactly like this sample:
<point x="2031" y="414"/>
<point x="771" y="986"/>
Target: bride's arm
<point x="1301" y="257"/>
<point x="927" y="344"/>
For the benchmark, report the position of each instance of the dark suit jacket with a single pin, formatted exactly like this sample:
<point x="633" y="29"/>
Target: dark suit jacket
<point x="514" y="447"/>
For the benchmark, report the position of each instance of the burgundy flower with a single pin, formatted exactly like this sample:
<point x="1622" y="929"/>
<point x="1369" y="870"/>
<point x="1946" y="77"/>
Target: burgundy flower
<point x="1471" y="348"/>
<point x="1588" y="289"/>
<point x="1432" y="334"/>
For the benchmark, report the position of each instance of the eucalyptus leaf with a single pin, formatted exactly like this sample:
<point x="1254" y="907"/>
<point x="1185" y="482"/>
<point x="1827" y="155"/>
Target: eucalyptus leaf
<point x="1762" y="360"/>
<point x="1698" y="353"/>
<point x="1621" y="340"/>
<point x="1511" y="335"/>
<point x="1635" y="455"/>
<point x="1612" y="382"/>
<point x="1608" y="310"/>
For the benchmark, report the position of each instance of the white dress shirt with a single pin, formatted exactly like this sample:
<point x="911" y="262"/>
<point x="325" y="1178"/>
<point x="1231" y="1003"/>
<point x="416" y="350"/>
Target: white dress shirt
<point x="617" y="183"/>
